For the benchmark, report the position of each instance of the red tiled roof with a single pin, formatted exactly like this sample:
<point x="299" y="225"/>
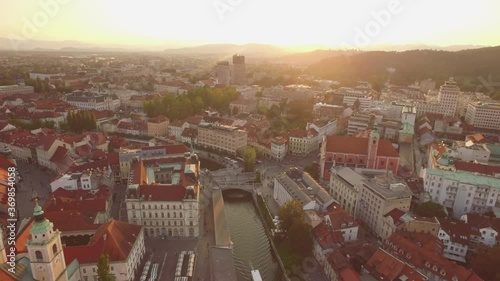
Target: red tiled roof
<point x="162" y="192"/>
<point x="395" y="214"/>
<point x="189" y="133"/>
<point x="195" y="120"/>
<point x="480" y="221"/>
<point x="114" y="238"/>
<point x="158" y="119"/>
<point x="425" y="252"/>
<point x="298" y="133"/>
<point x="353" y="145"/>
<point x="459" y="231"/>
<point x="112" y="160"/>
<point x="325" y="237"/>
<point x="59" y="154"/>
<point x="71" y="220"/>
<point x="89" y="207"/>
<point x="349" y="274"/>
<point x="46" y="141"/>
<point x="23" y="238"/>
<point x="170" y="149"/>
<point x="339" y="217"/>
<point x="477" y="168"/>
<point x="4" y="276"/>
<point x="102" y="193"/>
<point x="383" y="265"/>
<point x="83" y="150"/>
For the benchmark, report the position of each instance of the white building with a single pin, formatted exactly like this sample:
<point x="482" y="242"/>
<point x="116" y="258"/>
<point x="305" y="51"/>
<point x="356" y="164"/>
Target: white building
<point x="461" y="191"/>
<point x="488" y="228"/>
<point x="163" y="196"/>
<point x="456" y="237"/>
<point x="324" y="128"/>
<point x="358" y="123"/>
<point x="483" y="115"/>
<point x="279" y="148"/>
<point x="93" y="100"/>
<point x="296" y="185"/>
<point x="75" y="181"/>
<point x="448" y="96"/>
<point x="369" y="199"/>
<point x="223" y="73"/>
<point x="16" y="90"/>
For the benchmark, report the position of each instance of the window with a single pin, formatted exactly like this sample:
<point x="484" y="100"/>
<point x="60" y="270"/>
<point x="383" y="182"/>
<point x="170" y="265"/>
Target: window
<point x="54" y="249"/>
<point x="93" y="269"/>
<point x="38" y="256"/>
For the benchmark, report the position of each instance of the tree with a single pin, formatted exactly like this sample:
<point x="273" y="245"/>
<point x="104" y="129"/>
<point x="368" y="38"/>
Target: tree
<point x="249" y="156"/>
<point x="430" y="209"/>
<point x="235" y="111"/>
<point x="486" y="262"/>
<point x="103" y="269"/>
<point x="300" y="239"/>
<point x="289" y="213"/>
<point x="313" y="170"/>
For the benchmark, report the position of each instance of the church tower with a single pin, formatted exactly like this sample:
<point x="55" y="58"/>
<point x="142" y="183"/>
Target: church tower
<point x="373" y="149"/>
<point x="45" y="249"/>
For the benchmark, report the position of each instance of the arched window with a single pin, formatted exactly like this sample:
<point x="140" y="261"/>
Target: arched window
<point x="38" y="255"/>
<point x="180" y="215"/>
<point x="54" y="249"/>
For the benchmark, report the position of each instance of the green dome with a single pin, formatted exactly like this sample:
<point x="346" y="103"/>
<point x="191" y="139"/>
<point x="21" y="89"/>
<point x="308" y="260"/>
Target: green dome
<point x="37" y="211"/>
<point x="41" y="225"/>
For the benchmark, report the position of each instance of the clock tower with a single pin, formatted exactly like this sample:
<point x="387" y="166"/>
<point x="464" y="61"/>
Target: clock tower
<point x="373" y="149"/>
<point x="45" y="249"/>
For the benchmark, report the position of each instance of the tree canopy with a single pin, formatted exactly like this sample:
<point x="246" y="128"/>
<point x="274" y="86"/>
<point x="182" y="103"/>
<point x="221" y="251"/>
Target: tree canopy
<point x="430" y="209"/>
<point x="103" y="271"/>
<point x="80" y="121"/>
<point x="180" y="107"/>
<point x="296" y="231"/>
<point x="466" y="66"/>
<point x="313" y="170"/>
<point x="249" y="156"/>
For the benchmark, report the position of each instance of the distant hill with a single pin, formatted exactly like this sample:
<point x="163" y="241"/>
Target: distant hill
<point x="229" y="50"/>
<point x="466" y="66"/>
<point x="313" y="57"/>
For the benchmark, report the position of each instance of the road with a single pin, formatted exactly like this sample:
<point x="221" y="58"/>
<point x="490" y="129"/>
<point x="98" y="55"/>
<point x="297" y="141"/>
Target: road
<point x="35" y="182"/>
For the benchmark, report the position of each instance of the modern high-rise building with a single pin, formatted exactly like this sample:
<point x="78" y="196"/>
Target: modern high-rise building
<point x="483" y="115"/>
<point x="448" y="96"/>
<point x="223" y="73"/>
<point x="238" y="74"/>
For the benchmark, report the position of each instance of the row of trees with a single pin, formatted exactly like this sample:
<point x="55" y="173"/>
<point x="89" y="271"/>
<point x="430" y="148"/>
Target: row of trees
<point x="79" y="121"/>
<point x="32" y="125"/>
<point x="180" y="107"/>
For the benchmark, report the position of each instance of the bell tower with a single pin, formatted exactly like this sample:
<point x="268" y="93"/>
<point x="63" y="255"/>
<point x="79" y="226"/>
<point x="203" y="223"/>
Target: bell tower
<point x="45" y="249"/>
<point x="373" y="149"/>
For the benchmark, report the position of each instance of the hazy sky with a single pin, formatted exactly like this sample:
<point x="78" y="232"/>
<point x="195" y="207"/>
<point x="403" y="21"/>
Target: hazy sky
<point x="281" y="22"/>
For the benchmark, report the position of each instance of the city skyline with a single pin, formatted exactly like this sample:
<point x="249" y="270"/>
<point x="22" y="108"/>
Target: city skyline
<point x="316" y="24"/>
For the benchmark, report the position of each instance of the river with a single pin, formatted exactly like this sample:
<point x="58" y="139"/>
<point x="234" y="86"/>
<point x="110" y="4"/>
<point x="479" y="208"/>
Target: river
<point x="251" y="246"/>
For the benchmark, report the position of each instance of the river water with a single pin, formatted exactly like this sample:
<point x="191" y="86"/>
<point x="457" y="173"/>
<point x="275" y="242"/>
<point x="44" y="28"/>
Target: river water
<point x="251" y="246"/>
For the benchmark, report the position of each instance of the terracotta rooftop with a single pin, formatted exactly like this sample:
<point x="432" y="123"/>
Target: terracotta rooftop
<point x="115" y="238"/>
<point x="424" y="251"/>
<point x="353" y="145"/>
